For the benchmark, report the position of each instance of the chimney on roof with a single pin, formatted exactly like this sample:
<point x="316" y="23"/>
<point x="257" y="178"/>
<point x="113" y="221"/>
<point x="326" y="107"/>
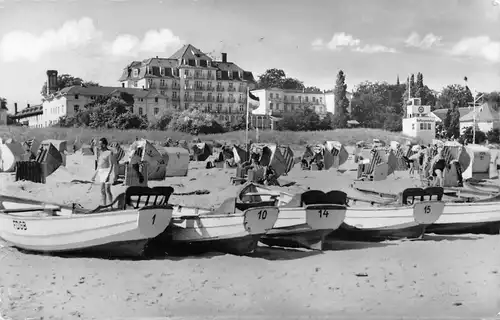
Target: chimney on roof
<point x="224" y="57"/>
<point x="27" y="106"/>
<point x="15" y="107"/>
<point x="156" y="57"/>
<point x="51" y="81"/>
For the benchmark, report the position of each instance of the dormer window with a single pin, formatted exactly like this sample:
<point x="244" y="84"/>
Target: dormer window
<point x="156" y="99"/>
<point x="219" y="74"/>
<point x="76" y="96"/>
<point x="136" y="73"/>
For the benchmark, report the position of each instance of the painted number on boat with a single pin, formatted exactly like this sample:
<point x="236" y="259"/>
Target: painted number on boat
<point x="19" y="225"/>
<point x="428" y="209"/>
<point x="323" y="213"/>
<point x="154" y="218"/>
<point x="262" y="214"/>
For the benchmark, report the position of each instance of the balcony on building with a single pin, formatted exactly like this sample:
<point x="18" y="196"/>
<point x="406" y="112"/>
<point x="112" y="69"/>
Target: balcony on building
<point x="199" y="87"/>
<point x="242" y="100"/>
<point x="177" y="98"/>
<point x="220" y="99"/>
<point x="231" y="89"/>
<point x="210" y="99"/>
<point x="188" y="98"/>
<point x="190" y="87"/>
<point x="231" y="100"/>
<point x="220" y="88"/>
<point x="199" y="99"/>
<point x="242" y="89"/>
<point x="209" y="88"/>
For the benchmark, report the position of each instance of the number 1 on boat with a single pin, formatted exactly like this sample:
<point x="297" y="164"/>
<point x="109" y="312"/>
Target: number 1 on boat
<point x="154" y="218"/>
<point x="427" y="209"/>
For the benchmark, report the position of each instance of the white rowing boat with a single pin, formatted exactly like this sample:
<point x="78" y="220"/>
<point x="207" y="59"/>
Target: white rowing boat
<point x="304" y="219"/>
<point x="233" y="227"/>
<point x="121" y="229"/>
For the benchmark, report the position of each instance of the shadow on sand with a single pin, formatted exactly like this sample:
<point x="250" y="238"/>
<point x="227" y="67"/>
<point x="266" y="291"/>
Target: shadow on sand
<point x="280" y="253"/>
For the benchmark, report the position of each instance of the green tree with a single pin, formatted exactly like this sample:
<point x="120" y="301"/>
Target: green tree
<point x="66" y="80"/>
<point x="341" y="115"/>
<point x="293" y="84"/>
<point x="271" y="78"/>
<point x="454" y="92"/>
<point x="302" y="119"/>
<point x="452" y="120"/>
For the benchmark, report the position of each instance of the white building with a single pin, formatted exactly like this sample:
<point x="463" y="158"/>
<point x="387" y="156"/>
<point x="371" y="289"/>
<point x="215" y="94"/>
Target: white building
<point x="487" y="119"/>
<point x="275" y="102"/>
<point x="419" y="122"/>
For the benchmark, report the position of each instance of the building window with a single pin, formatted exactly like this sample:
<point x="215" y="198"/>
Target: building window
<point x="140" y="111"/>
<point x="413" y="126"/>
<point x="136" y="73"/>
<point x="156" y="99"/>
<point x="135" y="84"/>
<point x="219" y="107"/>
<point x="76" y="96"/>
<point x="162" y="92"/>
<point x="270" y="95"/>
<point x="421" y="126"/>
<point x="186" y="106"/>
<point x="271" y="106"/>
<point x="429" y="126"/>
<point x="76" y="108"/>
<point x="186" y="72"/>
<point x="293" y="98"/>
<point x="242" y="108"/>
<point x="209" y="107"/>
<point x="156" y="111"/>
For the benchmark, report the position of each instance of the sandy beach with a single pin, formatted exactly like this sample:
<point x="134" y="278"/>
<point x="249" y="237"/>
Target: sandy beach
<point x="438" y="277"/>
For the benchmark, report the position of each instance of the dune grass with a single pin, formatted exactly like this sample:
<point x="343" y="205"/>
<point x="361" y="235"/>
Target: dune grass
<point x="345" y="136"/>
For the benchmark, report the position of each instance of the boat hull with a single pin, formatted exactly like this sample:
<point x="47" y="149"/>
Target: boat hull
<point x="112" y="233"/>
<point x="479" y="217"/>
<point x="299" y="236"/>
<point x="390" y="222"/>
<point x="236" y="233"/>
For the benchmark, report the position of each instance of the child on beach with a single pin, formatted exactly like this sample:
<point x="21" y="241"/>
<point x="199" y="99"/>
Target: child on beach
<point x="105" y="171"/>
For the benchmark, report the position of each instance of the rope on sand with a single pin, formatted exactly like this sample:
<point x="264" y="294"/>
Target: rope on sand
<point x="196" y="192"/>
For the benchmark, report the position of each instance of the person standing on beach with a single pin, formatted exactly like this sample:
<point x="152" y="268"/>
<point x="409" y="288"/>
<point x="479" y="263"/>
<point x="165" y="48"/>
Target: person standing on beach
<point x="105" y="171"/>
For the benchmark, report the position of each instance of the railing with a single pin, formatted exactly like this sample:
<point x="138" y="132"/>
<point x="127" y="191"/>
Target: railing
<point x="188" y="76"/>
<point x="188" y="88"/>
<point x="220" y="89"/>
<point x="176" y="98"/>
<point x="220" y="99"/>
<point x="242" y="100"/>
<point x="201" y="99"/>
<point x="210" y="99"/>
<point x="231" y="100"/>
<point x="163" y="86"/>
<point x="188" y="98"/>
<point x="231" y="89"/>
<point x="199" y="88"/>
<point x="200" y="76"/>
<point x="209" y="89"/>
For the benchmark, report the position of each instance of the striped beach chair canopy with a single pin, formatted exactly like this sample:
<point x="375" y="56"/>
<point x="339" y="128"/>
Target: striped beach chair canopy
<point x="337" y="150"/>
<point x="271" y="155"/>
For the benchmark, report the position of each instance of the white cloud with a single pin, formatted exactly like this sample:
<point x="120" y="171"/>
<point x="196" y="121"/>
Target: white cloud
<point x="317" y="44"/>
<point x="478" y="47"/>
<point x="82" y="35"/>
<point x="376" y="48"/>
<point x="341" y="40"/>
<point x="153" y="41"/>
<point x="428" y="41"/>
<point x="73" y="34"/>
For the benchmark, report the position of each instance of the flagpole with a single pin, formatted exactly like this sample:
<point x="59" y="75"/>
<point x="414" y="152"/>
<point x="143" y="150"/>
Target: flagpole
<point x="246" y="126"/>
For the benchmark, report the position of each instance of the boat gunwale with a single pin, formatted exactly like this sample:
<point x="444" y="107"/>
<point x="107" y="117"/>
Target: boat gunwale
<point x="207" y="214"/>
<point x="85" y="215"/>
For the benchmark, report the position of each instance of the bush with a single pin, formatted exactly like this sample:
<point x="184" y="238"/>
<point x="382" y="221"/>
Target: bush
<point x="195" y="122"/>
<point x="493" y="136"/>
<point x="468" y="134"/>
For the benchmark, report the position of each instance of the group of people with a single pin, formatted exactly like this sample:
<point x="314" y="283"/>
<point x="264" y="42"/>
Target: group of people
<point x="266" y="174"/>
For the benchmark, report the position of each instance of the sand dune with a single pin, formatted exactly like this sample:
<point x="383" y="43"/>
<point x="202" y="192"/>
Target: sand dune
<point x="439" y="277"/>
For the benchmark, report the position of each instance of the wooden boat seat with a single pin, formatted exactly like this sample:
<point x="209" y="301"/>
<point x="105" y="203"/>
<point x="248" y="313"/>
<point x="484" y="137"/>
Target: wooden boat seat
<point x="138" y="197"/>
<point x="242" y="206"/>
<point x="337" y="197"/>
<point x="411" y="194"/>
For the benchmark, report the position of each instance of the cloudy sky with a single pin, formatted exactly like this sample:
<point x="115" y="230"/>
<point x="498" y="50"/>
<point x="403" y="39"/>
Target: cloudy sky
<point x="311" y="40"/>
